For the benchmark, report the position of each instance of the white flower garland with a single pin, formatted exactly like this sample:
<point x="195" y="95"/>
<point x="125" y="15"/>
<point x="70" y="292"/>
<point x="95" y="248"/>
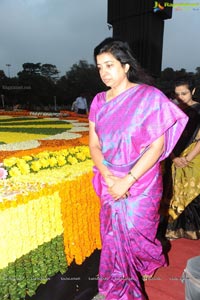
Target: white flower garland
<point x="20" y="146"/>
<point x="63" y="136"/>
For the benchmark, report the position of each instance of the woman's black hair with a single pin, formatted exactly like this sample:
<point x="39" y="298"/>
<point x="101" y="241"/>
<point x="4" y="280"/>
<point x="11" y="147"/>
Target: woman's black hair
<point x="185" y="81"/>
<point x="123" y="53"/>
<point x="196" y="95"/>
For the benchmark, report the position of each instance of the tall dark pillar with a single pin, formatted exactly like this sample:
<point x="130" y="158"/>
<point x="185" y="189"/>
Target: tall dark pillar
<point x="141" y="24"/>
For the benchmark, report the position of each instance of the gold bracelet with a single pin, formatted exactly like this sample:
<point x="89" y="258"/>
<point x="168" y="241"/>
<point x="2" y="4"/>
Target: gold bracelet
<point x="129" y="173"/>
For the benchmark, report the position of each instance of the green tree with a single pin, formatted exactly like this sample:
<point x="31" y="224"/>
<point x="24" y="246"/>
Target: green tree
<point x="31" y="69"/>
<point x="166" y="80"/>
<point x="181" y="73"/>
<point x="41" y="88"/>
<point x="2" y="75"/>
<point x="81" y="77"/>
<point x="197" y="76"/>
<point x="49" y="71"/>
<point x="168" y="74"/>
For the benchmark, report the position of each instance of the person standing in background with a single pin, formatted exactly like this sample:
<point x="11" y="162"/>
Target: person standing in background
<point x="73" y="107"/>
<point x="184" y="200"/>
<point x="81" y="104"/>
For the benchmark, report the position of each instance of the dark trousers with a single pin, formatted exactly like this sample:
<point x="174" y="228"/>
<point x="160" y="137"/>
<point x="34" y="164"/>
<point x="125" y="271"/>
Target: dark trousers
<point x="81" y="111"/>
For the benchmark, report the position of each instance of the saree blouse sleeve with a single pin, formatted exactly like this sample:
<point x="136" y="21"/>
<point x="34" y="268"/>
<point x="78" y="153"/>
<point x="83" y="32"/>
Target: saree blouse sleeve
<point x="162" y="118"/>
<point x="96" y="104"/>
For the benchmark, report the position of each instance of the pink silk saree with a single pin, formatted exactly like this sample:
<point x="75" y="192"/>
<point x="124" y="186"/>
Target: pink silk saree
<point x="125" y="126"/>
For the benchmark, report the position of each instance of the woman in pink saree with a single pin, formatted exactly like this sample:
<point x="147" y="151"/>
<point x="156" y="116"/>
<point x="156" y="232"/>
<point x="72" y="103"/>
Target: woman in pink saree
<point x="133" y="127"/>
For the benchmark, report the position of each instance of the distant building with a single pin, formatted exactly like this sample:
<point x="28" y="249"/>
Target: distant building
<point x="141" y="24"/>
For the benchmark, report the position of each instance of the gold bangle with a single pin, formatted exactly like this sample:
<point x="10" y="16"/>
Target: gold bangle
<point x="129" y="173"/>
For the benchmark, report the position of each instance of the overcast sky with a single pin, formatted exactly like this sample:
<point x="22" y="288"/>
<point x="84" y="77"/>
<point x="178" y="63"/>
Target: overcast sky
<point x="62" y="32"/>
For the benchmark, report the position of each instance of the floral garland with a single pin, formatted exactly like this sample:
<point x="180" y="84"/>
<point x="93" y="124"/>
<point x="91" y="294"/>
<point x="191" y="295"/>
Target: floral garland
<point x="47" y="145"/>
<point x="80" y="208"/>
<point x="20" y="140"/>
<point x="25" y="227"/>
<point x="68" y="206"/>
<point x="62" y="113"/>
<point x="46" y="194"/>
<point x="25" y="165"/>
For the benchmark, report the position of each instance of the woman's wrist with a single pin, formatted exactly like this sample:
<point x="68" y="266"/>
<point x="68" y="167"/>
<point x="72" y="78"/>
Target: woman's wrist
<point x="186" y="158"/>
<point x="105" y="173"/>
<point x="131" y="178"/>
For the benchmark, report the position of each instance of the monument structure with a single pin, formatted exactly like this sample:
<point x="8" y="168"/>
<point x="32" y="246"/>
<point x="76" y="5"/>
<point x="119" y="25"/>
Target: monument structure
<point x="141" y="24"/>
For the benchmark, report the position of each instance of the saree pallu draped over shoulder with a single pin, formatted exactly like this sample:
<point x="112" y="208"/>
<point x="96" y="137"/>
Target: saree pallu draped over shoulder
<point x="126" y="126"/>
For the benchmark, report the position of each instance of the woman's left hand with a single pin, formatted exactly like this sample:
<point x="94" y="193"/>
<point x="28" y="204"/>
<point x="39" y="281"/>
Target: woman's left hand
<point x="119" y="188"/>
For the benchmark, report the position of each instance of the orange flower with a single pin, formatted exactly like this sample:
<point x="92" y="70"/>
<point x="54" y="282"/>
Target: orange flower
<point x="80" y="213"/>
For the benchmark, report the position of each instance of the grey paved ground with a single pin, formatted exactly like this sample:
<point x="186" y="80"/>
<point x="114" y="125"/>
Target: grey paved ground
<point x="98" y="297"/>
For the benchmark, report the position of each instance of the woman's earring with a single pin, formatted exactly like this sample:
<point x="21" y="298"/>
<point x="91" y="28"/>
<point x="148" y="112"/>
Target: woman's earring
<point x="126" y="68"/>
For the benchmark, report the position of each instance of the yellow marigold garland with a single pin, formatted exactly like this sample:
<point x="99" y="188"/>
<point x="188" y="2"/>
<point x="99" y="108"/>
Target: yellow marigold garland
<point x="16" y="166"/>
<point x="26" y="226"/>
<point x="80" y="213"/>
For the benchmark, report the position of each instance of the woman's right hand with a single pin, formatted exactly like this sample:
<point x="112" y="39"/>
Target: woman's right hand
<point x="109" y="181"/>
<point x="118" y="187"/>
<point x="180" y="162"/>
